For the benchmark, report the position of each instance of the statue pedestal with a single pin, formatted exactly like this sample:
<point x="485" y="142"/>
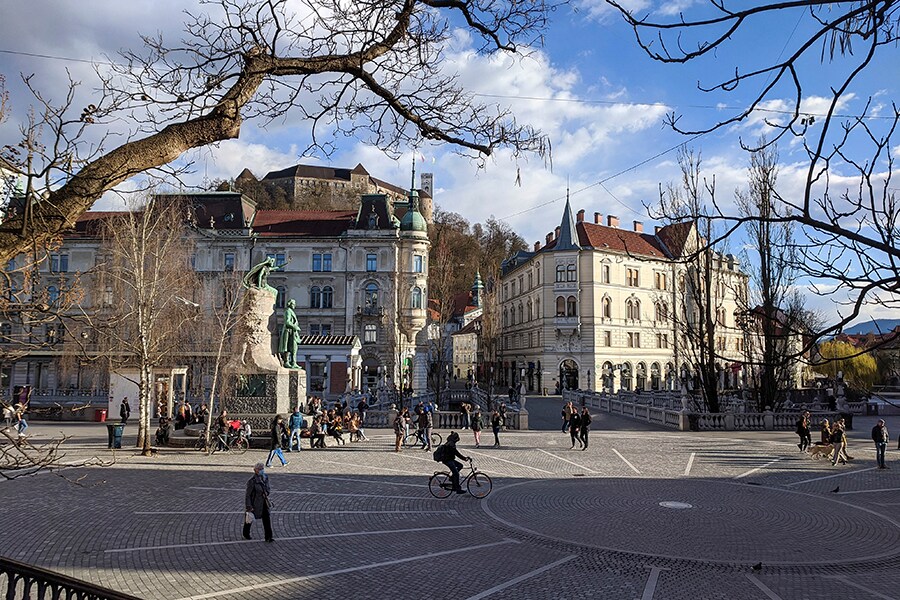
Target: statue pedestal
<point x="259" y="387"/>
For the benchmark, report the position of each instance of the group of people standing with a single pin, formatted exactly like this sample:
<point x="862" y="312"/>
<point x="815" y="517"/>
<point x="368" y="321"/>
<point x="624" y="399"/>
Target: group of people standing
<point x="577" y="424"/>
<point x="834" y="435"/>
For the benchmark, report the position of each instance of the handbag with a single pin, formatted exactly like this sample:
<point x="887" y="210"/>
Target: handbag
<point x="248" y="517"/>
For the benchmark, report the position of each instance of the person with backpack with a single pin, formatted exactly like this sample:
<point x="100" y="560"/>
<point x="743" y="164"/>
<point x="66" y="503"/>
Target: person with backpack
<point x="447" y="453"/>
<point x="296" y="426"/>
<point x="880" y="437"/>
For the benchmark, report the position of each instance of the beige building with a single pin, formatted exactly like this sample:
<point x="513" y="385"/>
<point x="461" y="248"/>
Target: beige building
<point x="359" y="280"/>
<point x="593" y="308"/>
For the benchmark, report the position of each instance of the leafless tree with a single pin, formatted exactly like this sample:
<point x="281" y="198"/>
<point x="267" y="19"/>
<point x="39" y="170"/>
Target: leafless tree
<point x="442" y="270"/>
<point x="144" y="281"/>
<point x="848" y="232"/>
<point x="369" y="68"/>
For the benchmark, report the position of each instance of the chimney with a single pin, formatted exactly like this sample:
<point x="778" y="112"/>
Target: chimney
<point x="549" y="238"/>
<point x="556" y="233"/>
<point x="580" y="216"/>
<point x="639" y="227"/>
<point x="537" y="245"/>
<point x="612" y="221"/>
<point x="598" y="218"/>
<point x="656" y="229"/>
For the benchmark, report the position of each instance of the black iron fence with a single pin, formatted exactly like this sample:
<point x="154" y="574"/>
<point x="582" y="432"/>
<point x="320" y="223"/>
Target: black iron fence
<point x="26" y="582"/>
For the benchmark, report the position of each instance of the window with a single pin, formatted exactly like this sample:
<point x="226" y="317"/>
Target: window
<point x="634" y="340"/>
<point x="513" y="286"/>
<point x="327" y="297"/>
<point x="560" y="273"/>
<point x="372" y="295"/>
<point x="607" y="338"/>
<point x="229" y="261"/>
<point x="371" y="262"/>
<point x="720" y="317"/>
<point x="326" y="329"/>
<point x="662" y="311"/>
<point x="279" y="259"/>
<point x="315" y="297"/>
<point x="570" y="306"/>
<point x="417" y="297"/>
<point x="52" y="294"/>
<point x="604" y="270"/>
<point x="662" y="340"/>
<point x="418" y="264"/>
<point x="633" y="310"/>
<point x="607" y="308"/>
<point x="632" y="277"/>
<point x="59" y="263"/>
<point x="321" y="262"/>
<point x="571" y="273"/>
<point x="530" y="340"/>
<point x="521" y="313"/>
<point x="537" y="309"/>
<point x="505" y="318"/>
<point x="530" y="280"/>
<point x="108" y="296"/>
<point x="560" y="307"/>
<point x="660" y="281"/>
<point x="370" y="334"/>
<point x="314" y="329"/>
<point x="5" y="333"/>
<point x="530" y="311"/>
<point x="279" y="297"/>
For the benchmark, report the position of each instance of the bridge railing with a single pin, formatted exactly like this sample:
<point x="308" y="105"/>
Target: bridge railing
<point x="21" y="580"/>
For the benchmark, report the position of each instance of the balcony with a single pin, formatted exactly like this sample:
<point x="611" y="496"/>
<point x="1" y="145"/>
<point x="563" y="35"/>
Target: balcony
<point x="370" y="311"/>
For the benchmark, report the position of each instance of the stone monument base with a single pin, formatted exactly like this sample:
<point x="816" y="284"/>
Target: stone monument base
<point x="258" y="397"/>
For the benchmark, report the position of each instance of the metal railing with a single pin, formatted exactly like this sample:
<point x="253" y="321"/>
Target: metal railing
<point x="21" y="580"/>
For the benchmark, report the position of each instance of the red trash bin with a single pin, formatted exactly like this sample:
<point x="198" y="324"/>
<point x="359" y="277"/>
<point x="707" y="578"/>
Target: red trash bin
<point x="100" y="415"/>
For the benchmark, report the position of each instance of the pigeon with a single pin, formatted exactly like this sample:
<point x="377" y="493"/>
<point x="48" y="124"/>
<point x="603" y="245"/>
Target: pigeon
<point x="836" y="490"/>
<point x="757" y="567"/>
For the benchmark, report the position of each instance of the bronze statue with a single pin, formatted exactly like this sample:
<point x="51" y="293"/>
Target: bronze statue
<point x="257" y="277"/>
<point x="290" y="337"/>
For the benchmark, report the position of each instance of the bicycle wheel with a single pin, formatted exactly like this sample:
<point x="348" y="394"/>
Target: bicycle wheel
<point x="240" y="445"/>
<point x="439" y="485"/>
<point x="479" y="485"/>
<point x="411" y="440"/>
<point x="436" y="439"/>
<point x="201" y="444"/>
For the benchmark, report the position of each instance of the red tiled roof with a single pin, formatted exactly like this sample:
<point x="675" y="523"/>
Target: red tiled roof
<point x="89" y="223"/>
<point x="675" y="235"/>
<point x="305" y="223"/>
<point x="601" y="237"/>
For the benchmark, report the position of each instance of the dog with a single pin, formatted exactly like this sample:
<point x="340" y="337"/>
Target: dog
<point x="820" y="450"/>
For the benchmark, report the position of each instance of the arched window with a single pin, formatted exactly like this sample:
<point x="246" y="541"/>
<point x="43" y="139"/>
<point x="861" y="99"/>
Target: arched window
<point x="327" y="297"/>
<point x="571" y="274"/>
<point x="280" y="296"/>
<point x="570" y="307"/>
<point x="521" y="313"/>
<point x="607" y="308"/>
<point x="662" y="311"/>
<point x="315" y="297"/>
<point x="505" y="318"/>
<point x="654" y="376"/>
<point x="530" y="310"/>
<point x="52" y="294"/>
<point x="641" y="376"/>
<point x="560" y="307"/>
<point x="625" y="382"/>
<point x="560" y="273"/>
<point x="537" y="309"/>
<point x="417" y="297"/>
<point x="372" y="295"/>
<point x="633" y="309"/>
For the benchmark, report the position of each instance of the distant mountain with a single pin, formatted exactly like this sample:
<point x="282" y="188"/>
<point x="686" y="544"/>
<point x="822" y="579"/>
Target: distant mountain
<point x="876" y="326"/>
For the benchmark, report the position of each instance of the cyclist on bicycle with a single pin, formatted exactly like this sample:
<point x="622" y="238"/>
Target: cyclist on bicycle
<point x="448" y="457"/>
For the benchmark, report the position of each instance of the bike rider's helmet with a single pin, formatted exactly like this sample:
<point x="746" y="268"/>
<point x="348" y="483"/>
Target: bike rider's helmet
<point x="453" y="437"/>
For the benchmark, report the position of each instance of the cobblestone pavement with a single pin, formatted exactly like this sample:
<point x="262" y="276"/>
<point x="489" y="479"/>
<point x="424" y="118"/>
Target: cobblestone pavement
<point x="641" y="515"/>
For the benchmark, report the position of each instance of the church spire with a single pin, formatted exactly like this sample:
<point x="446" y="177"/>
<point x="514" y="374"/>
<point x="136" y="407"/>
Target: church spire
<point x="568" y="234"/>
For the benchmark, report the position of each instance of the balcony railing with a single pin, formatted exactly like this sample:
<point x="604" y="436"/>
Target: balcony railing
<point x="20" y="580"/>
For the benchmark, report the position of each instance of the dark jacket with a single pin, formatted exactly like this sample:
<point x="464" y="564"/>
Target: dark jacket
<point x="275" y="434"/>
<point x="575" y="423"/>
<point x="880" y="434"/>
<point x="477" y="424"/>
<point x="124" y="411"/>
<point x="451" y="453"/>
<point x="585" y="421"/>
<point x="837" y="436"/>
<point x="257" y="496"/>
<point x="296" y="421"/>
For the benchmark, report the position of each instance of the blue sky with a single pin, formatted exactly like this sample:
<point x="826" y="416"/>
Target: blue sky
<point x="598" y="97"/>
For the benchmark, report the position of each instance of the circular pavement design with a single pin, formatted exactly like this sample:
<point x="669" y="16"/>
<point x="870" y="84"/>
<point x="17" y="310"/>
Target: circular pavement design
<point x="728" y="522"/>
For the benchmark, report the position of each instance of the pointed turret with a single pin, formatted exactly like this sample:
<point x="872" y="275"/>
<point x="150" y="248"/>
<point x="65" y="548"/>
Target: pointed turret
<point x="568" y="235"/>
<point x="477" y="290"/>
<point x="413" y="219"/>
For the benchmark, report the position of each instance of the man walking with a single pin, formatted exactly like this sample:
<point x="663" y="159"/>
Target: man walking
<point x="256" y="502"/>
<point x="880" y="437"/>
<point x="585" y="427"/>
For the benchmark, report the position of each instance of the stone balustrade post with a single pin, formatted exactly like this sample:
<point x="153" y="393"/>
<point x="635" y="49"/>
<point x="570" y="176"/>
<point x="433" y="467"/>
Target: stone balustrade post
<point x="729" y="422"/>
<point x="769" y="419"/>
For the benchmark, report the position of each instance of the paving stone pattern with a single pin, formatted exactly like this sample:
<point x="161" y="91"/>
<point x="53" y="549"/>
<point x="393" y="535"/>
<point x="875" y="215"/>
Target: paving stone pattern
<point x="358" y="521"/>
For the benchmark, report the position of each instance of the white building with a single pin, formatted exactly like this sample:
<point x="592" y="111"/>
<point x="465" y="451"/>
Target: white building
<point x="592" y="308"/>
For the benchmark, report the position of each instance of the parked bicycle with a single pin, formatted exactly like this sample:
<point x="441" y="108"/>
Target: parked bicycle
<point x="231" y="442"/>
<point x="477" y="483"/>
<point x="416" y="438"/>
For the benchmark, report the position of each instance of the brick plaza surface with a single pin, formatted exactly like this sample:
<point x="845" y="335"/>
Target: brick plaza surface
<point x="358" y="521"/>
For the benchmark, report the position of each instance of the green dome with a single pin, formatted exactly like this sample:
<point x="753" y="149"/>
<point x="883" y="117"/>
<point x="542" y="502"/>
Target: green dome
<point x="413" y="219"/>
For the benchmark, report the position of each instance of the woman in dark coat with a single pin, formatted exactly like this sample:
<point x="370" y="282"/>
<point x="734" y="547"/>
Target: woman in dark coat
<point x="278" y="429"/>
<point x="256" y="502"/>
<point x="585" y="426"/>
<point x="575" y="429"/>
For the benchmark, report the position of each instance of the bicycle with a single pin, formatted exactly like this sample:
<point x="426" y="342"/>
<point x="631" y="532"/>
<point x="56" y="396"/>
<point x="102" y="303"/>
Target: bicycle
<point x="234" y="443"/>
<point x="477" y="483"/>
<point x="415" y="439"/>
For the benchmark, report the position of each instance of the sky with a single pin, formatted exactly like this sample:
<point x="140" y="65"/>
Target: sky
<point x="597" y="96"/>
